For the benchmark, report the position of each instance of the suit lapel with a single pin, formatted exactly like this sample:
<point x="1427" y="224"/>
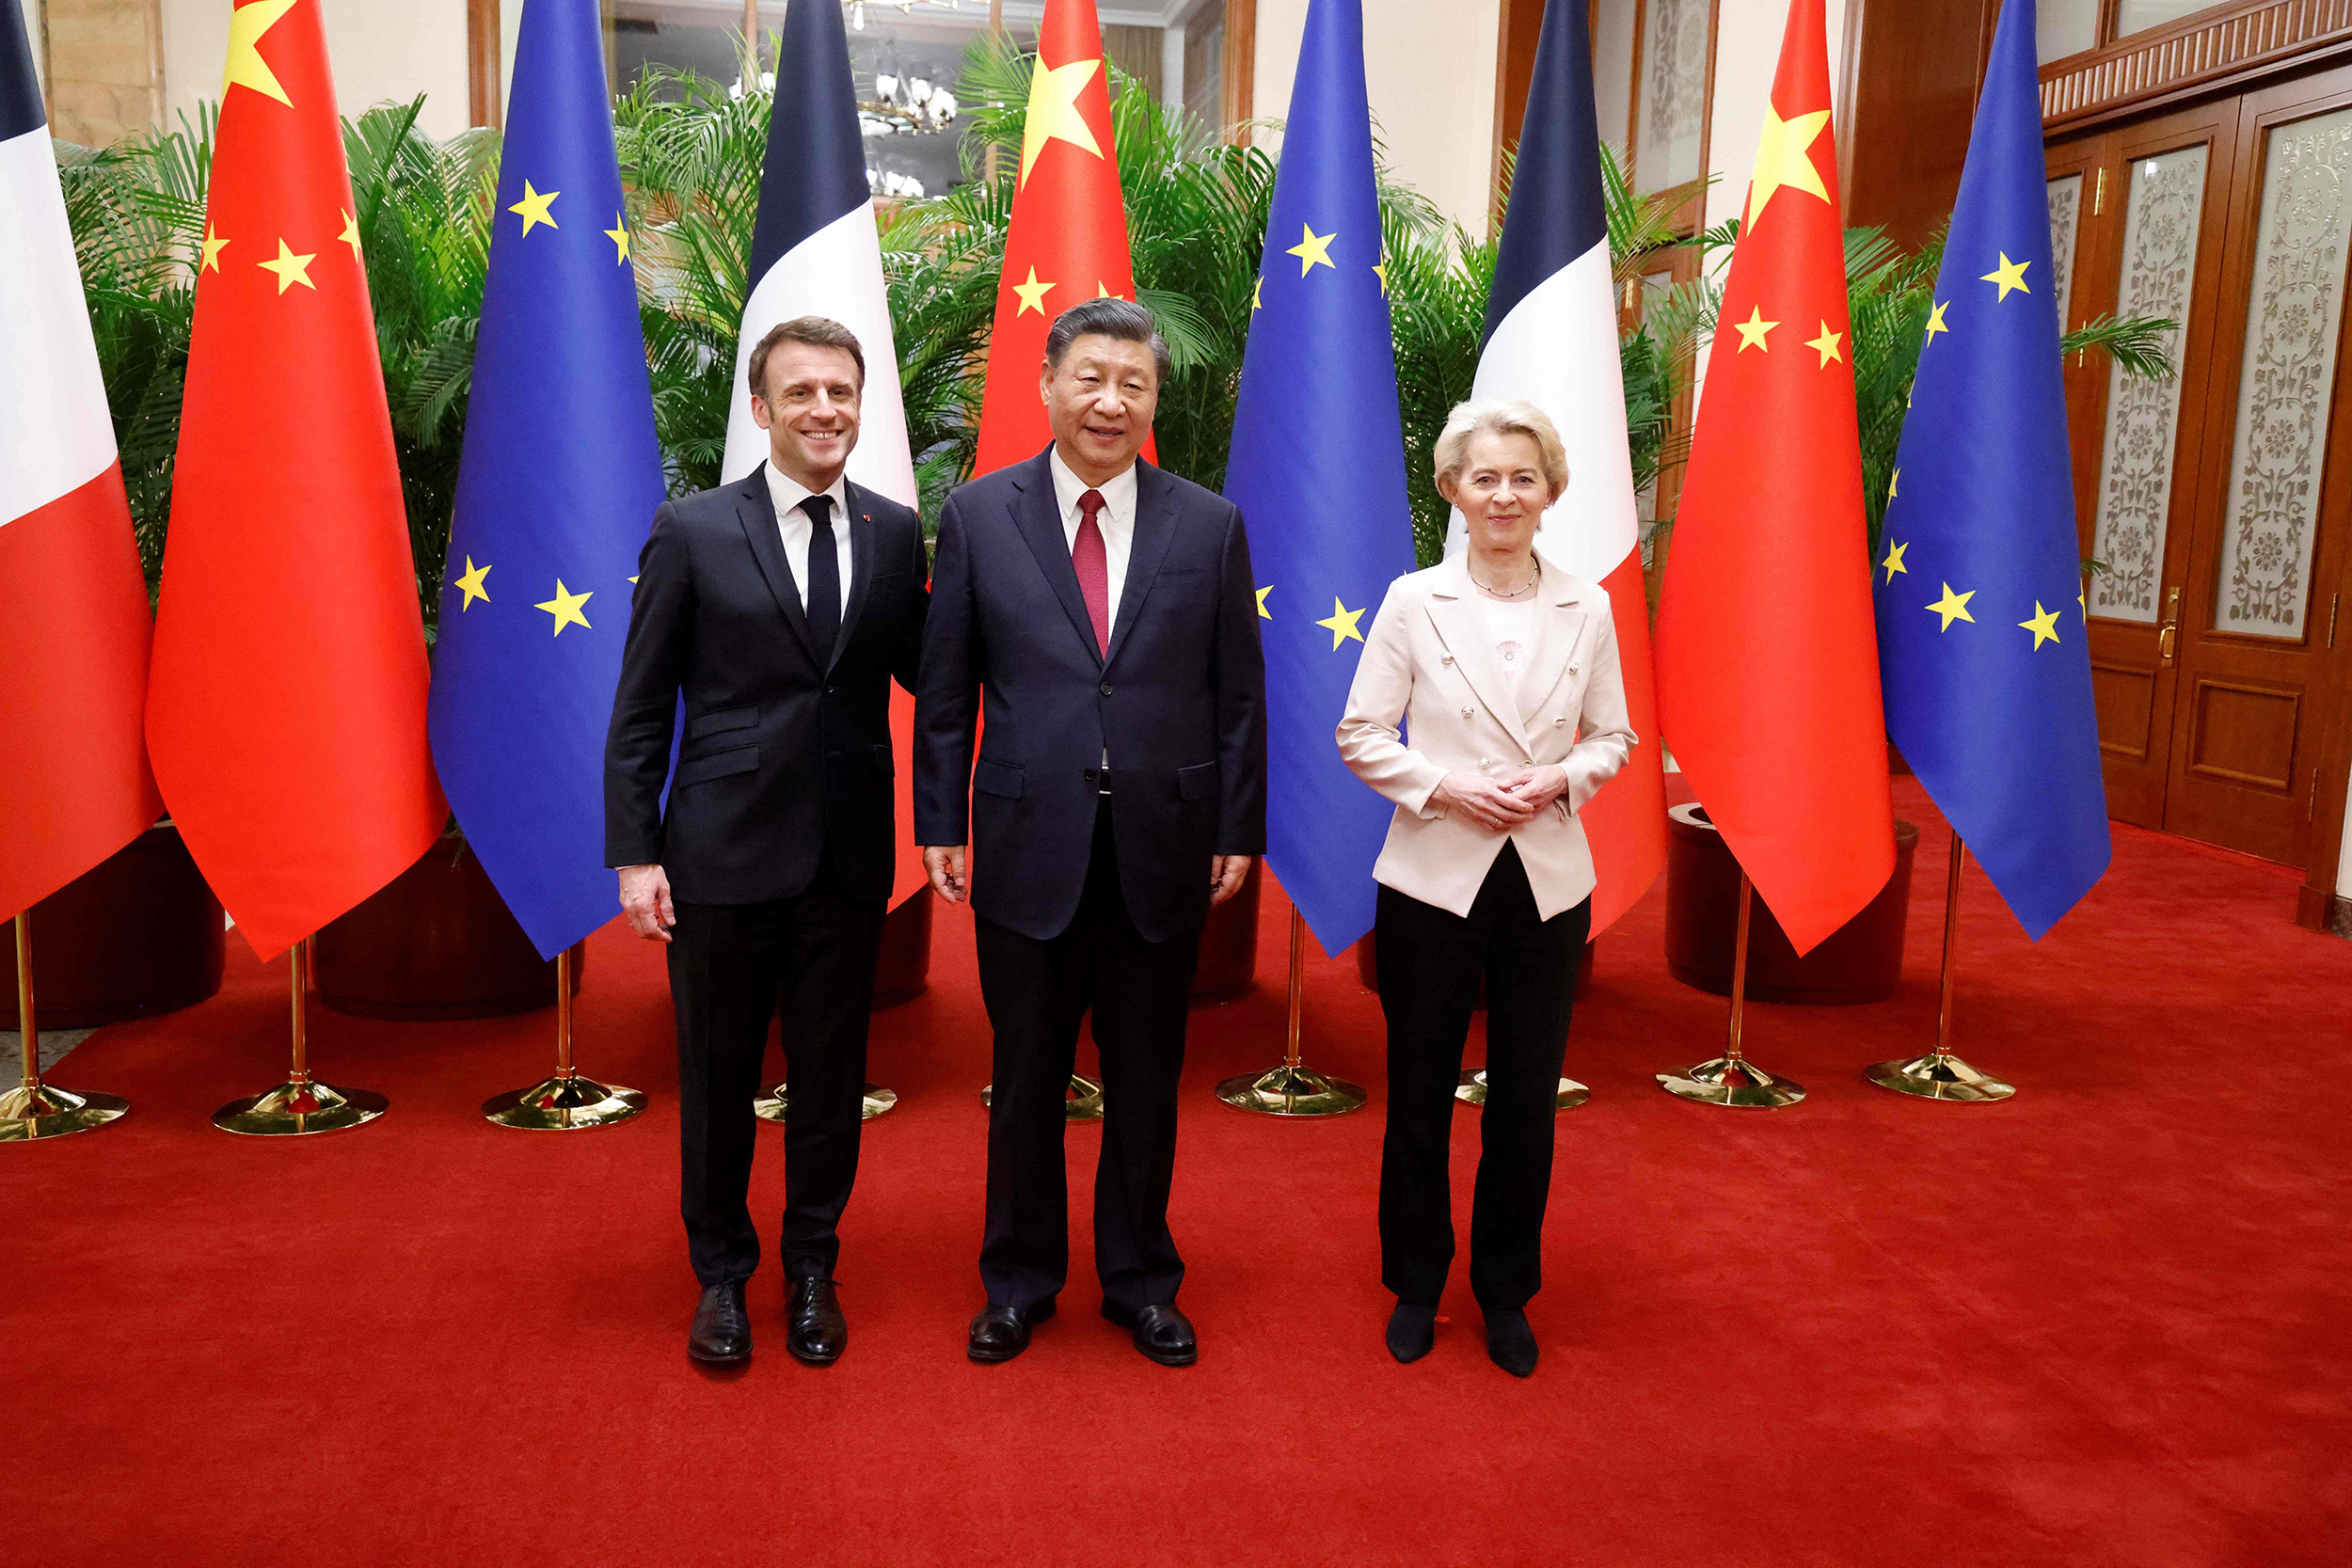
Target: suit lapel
<point x="755" y="509"/>
<point x="1556" y="636"/>
<point x="1155" y="526"/>
<point x="1037" y="514"/>
<point x="1463" y="632"/>
<point x="861" y="526"/>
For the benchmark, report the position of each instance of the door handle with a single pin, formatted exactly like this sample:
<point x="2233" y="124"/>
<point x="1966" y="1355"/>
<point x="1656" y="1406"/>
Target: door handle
<point x="2166" y="633"/>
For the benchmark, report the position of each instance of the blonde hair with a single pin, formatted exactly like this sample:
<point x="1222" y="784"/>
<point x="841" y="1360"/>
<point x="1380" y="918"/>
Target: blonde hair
<point x="1499" y="417"/>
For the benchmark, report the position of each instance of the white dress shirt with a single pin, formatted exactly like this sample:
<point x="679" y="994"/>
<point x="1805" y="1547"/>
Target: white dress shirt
<point x="794" y="525"/>
<point x="1117" y="521"/>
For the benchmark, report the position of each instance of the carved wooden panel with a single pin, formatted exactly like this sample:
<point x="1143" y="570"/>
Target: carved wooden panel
<point x="2124" y="696"/>
<point x="2153" y="64"/>
<point x="2066" y="210"/>
<point x="2244" y="734"/>
<point x="1670" y="120"/>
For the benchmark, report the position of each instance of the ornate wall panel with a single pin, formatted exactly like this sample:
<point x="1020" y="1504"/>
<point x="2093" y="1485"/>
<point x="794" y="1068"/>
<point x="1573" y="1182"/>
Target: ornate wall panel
<point x="2066" y="210"/>
<point x="2169" y="59"/>
<point x="1671" y="122"/>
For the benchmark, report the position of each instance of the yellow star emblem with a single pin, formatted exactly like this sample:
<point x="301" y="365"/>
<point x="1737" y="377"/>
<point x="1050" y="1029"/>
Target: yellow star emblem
<point x="1953" y="607"/>
<point x="2044" y="624"/>
<point x="290" y="269"/>
<point x="1784" y="159"/>
<point x="534" y="208"/>
<point x="1935" y="324"/>
<point x="350" y="235"/>
<point x="1380" y="270"/>
<point x="1256" y="294"/>
<point x="1894" y="562"/>
<point x="470" y="582"/>
<point x="246" y="68"/>
<point x="1313" y="251"/>
<point x="618" y="234"/>
<point x="1894" y="480"/>
<point x="2009" y="275"/>
<point x="564" y="607"/>
<point x="1752" y="331"/>
<point x="212" y="247"/>
<point x="1054" y="113"/>
<point x="1103" y="290"/>
<point x="1263" y="613"/>
<point x="1826" y="345"/>
<point x="1341" y="623"/>
<point x="1032" y="294"/>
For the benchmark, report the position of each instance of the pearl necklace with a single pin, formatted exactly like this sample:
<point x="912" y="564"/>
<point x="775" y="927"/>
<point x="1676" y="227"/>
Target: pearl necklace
<point x="1507" y="592"/>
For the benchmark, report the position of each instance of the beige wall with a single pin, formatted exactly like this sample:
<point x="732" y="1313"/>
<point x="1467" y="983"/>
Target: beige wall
<point x="1747" y="54"/>
<point x="377" y="49"/>
<point x="100" y="67"/>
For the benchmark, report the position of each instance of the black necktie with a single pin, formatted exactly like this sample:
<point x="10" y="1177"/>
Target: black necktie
<point x="824" y="577"/>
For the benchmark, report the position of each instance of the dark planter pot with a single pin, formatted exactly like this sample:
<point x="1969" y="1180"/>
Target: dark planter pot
<point x="1861" y="961"/>
<point x="135" y="934"/>
<point x="436" y="943"/>
<point x="1368" y="969"/>
<point x="902" y="970"/>
<point x="1229" y="944"/>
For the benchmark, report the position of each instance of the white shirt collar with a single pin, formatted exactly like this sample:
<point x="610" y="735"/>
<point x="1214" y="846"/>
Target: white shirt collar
<point x="1119" y="492"/>
<point x="788" y="493"/>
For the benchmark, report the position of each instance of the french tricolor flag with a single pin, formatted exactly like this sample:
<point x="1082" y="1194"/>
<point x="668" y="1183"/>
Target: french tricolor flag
<point x="74" y="623"/>
<point x="1551" y="340"/>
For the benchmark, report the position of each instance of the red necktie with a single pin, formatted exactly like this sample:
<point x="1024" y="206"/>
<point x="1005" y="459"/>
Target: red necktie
<point x="1092" y="562"/>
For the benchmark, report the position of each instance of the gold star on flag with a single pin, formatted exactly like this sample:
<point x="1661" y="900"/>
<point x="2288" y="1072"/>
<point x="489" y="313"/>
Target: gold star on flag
<point x="2043" y="626"/>
<point x="212" y="247"/>
<point x="2009" y="275"/>
<point x="1256" y="294"/>
<point x="246" y="68"/>
<point x="1054" y="113"/>
<point x="1784" y="160"/>
<point x="350" y="235"/>
<point x="1103" y="290"/>
<point x="1894" y="562"/>
<point x="534" y="208"/>
<point x="1263" y="613"/>
<point x="1313" y="251"/>
<point x="1826" y="345"/>
<point x="564" y="607"/>
<point x="618" y="234"/>
<point x="1380" y="270"/>
<point x="1896" y="479"/>
<point x="1341" y="623"/>
<point x="290" y="269"/>
<point x="1953" y="607"/>
<point x="471" y="583"/>
<point x="1032" y="294"/>
<point x="1935" y="324"/>
<point x="1752" y="331"/>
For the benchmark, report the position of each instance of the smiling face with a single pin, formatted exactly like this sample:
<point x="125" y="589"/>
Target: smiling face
<point x="1100" y="400"/>
<point x="809" y="411"/>
<point x="1502" y="491"/>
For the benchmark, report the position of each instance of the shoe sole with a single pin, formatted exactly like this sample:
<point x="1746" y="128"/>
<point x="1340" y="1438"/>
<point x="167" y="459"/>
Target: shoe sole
<point x="808" y="1360"/>
<point x="717" y="1360"/>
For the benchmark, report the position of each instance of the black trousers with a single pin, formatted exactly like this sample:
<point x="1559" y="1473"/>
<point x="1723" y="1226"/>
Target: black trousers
<point x="732" y="966"/>
<point x="1431" y="963"/>
<point x="1036" y="993"/>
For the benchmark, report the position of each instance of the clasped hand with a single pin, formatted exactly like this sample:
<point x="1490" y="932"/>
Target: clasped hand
<point x="945" y="865"/>
<point x="1500" y="805"/>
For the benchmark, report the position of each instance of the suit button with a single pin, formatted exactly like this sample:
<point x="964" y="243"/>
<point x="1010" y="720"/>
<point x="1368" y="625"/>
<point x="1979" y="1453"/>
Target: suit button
<point x="832" y="691"/>
<point x="1486" y="762"/>
<point x="1089" y="775"/>
<point x="1106" y="689"/>
<point x="1559" y="724"/>
<point x="1445" y="659"/>
<point x="1571" y="669"/>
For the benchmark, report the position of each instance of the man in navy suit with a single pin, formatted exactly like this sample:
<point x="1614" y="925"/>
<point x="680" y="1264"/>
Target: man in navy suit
<point x="1106" y="610"/>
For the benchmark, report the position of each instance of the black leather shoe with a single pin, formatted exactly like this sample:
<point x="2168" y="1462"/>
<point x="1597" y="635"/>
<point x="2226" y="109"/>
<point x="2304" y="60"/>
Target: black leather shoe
<point x="1412" y="1331"/>
<point x="723" y="1329"/>
<point x="819" y="1331"/>
<point x="1161" y="1333"/>
<point x="1001" y="1332"/>
<point x="1510" y="1342"/>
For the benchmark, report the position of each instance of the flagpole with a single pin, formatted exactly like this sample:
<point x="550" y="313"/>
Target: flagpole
<point x="1938" y="1074"/>
<point x="301" y="1106"/>
<point x="33" y="1109"/>
<point x="570" y="1101"/>
<point x="1731" y="1079"/>
<point x="1293" y="1089"/>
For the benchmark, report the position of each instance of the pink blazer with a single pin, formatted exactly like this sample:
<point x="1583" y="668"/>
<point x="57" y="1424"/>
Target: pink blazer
<point x="1430" y="663"/>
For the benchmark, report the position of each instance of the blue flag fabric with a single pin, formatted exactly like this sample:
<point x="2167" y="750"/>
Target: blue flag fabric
<point x="1318" y="470"/>
<point x="556" y="486"/>
<point x="1982" y="646"/>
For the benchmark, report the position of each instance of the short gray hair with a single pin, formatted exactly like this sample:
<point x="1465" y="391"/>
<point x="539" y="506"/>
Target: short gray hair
<point x="1107" y="317"/>
<point x="1499" y="416"/>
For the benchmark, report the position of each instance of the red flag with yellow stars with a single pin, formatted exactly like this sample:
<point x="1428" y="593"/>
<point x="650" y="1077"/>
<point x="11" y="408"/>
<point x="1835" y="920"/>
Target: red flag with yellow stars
<point x="1067" y="238"/>
<point x="1767" y="674"/>
<point x="286" y="706"/>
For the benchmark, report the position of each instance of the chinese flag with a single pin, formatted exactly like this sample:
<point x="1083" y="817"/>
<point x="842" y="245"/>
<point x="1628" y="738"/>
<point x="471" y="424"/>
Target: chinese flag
<point x="1068" y="237"/>
<point x="1768" y="676"/>
<point x="285" y="709"/>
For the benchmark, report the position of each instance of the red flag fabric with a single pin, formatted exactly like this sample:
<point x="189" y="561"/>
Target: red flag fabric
<point x="1066" y="240"/>
<point x="286" y="708"/>
<point x="1768" y="677"/>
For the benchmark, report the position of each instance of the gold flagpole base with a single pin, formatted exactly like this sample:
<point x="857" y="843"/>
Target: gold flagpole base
<point x="1939" y="1077"/>
<point x="1289" y="1091"/>
<point x="1083" y="1103"/>
<point x="1742" y="1084"/>
<point x="771" y="1103"/>
<point x="562" y="1104"/>
<point x="300" y="1109"/>
<point x="1471" y="1090"/>
<point x="39" y="1111"/>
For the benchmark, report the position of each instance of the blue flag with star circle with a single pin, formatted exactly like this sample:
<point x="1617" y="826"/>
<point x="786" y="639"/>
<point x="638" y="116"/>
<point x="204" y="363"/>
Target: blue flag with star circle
<point x="556" y="487"/>
<point x="1317" y="468"/>
<point x="1982" y="645"/>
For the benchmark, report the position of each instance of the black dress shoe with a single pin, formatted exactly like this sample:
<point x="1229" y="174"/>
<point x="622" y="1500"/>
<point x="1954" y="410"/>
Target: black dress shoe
<point x="1161" y="1333"/>
<point x="819" y="1331"/>
<point x="1412" y="1330"/>
<point x="1001" y="1332"/>
<point x="1510" y="1342"/>
<point x="723" y="1329"/>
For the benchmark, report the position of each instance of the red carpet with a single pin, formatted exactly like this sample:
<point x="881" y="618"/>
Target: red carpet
<point x="2100" y="1324"/>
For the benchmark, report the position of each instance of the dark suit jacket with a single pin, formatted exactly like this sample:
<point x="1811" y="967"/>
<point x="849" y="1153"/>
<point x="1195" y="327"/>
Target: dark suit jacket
<point x="1179" y="703"/>
<point x="781" y="759"/>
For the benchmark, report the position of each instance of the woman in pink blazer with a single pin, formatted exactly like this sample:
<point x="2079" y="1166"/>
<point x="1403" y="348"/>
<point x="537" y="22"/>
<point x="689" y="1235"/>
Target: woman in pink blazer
<point x="1502" y="670"/>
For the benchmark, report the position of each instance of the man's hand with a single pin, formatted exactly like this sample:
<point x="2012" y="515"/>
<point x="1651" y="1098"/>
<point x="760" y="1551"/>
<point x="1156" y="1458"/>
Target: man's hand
<point x="646" y="898"/>
<point x="944" y="865"/>
<point x="1226" y="874"/>
<point x="1482" y="800"/>
<point x="1539" y="786"/>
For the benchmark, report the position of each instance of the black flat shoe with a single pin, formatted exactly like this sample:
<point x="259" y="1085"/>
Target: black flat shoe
<point x="722" y="1334"/>
<point x="1162" y="1333"/>
<point x="819" y="1331"/>
<point x="1001" y="1332"/>
<point x="1510" y="1343"/>
<point x="1412" y="1330"/>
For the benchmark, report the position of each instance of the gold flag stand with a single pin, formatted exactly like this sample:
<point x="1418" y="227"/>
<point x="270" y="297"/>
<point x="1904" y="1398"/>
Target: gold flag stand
<point x="770" y="1104"/>
<point x="33" y="1109"/>
<point x="301" y="1106"/>
<point x="1293" y="1089"/>
<point x="1081" y="1101"/>
<point x="570" y="1100"/>
<point x="1731" y="1079"/>
<point x="1471" y="1090"/>
<point x="1938" y="1074"/>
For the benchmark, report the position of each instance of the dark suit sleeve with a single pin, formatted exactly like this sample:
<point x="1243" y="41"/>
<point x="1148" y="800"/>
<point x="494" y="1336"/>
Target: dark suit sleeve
<point x="906" y="663"/>
<point x="947" y="694"/>
<point x="644" y="707"/>
<point x="1239" y="675"/>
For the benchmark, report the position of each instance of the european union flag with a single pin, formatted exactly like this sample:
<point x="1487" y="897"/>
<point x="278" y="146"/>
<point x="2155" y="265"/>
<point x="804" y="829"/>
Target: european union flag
<point x="1318" y="470"/>
<point x="1982" y="645"/>
<point x="558" y="483"/>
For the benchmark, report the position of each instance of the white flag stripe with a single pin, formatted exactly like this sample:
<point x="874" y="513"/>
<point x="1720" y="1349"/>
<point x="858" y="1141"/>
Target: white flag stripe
<point x="1557" y="349"/>
<point x="55" y="434"/>
<point x="835" y="272"/>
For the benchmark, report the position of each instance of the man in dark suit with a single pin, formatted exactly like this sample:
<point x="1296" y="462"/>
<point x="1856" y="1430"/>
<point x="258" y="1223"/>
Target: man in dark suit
<point x="1106" y="609"/>
<point x="780" y="606"/>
